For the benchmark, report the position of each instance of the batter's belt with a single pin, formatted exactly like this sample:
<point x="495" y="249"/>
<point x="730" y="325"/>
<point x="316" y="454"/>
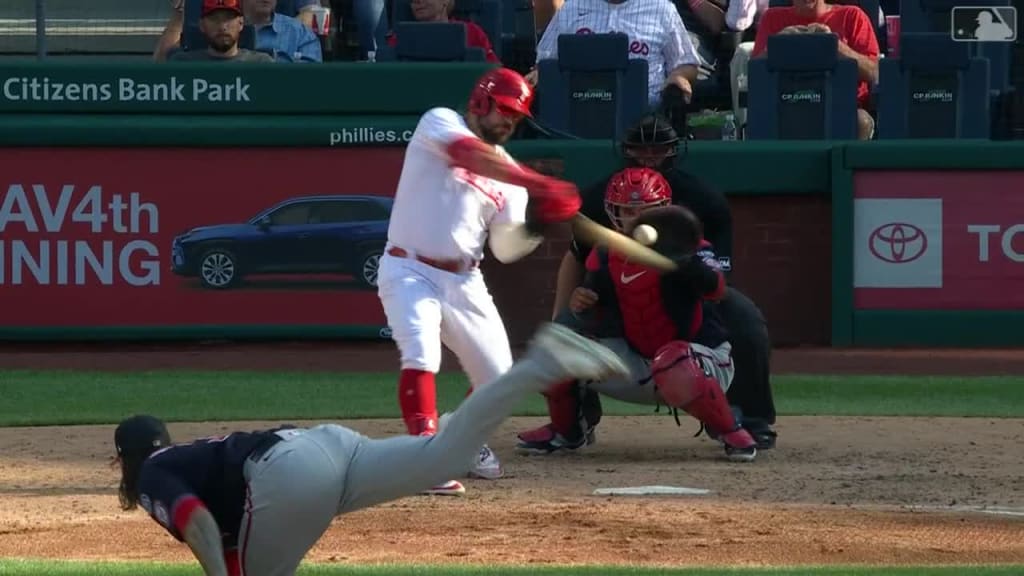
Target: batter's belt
<point x="452" y="266"/>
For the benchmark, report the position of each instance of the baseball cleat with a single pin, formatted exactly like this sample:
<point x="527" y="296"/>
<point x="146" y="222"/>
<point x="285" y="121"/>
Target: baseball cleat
<point x="740" y="446"/>
<point x="762" y="433"/>
<point x="578" y="356"/>
<point x="544" y="440"/>
<point x="747" y="454"/>
<point x="449" y="488"/>
<point x="487" y="465"/>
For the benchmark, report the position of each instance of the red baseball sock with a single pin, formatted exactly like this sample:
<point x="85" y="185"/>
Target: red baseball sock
<point x="417" y="397"/>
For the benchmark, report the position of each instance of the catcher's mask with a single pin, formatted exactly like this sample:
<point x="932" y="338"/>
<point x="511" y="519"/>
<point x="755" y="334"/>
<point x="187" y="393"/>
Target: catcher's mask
<point x="632" y="191"/>
<point x="651" y="143"/>
<point x="135" y="439"/>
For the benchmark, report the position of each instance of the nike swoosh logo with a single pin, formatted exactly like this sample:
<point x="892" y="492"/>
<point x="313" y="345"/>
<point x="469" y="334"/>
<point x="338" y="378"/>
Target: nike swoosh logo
<point x="627" y="279"/>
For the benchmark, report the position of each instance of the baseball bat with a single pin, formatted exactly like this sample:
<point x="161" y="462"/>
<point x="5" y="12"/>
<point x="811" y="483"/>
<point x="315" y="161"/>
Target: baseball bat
<point x="595" y="234"/>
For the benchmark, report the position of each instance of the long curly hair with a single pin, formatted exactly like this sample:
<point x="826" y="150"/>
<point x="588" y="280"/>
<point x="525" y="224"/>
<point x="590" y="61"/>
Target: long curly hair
<point x="131" y="466"/>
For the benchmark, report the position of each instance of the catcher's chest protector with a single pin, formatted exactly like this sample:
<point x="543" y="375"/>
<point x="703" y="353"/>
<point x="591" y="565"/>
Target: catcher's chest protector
<point x="645" y="320"/>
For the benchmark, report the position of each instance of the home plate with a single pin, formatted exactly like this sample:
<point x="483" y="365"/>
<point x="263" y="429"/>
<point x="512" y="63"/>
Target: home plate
<point x="651" y="490"/>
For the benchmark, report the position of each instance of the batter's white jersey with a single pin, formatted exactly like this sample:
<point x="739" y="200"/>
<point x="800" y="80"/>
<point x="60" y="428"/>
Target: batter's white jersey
<point x="655" y="31"/>
<point x="444" y="212"/>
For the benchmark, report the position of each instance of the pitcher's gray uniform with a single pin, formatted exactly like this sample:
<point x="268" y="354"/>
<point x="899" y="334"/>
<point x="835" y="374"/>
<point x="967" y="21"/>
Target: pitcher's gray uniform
<point x="273" y="493"/>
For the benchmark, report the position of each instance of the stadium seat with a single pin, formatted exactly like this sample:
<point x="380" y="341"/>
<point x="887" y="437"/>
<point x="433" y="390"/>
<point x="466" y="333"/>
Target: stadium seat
<point x="401" y="11"/>
<point x="802" y="90"/>
<point x="486" y="14"/>
<point x="934" y="16"/>
<point x="518" y="35"/>
<point x="935" y="89"/>
<point x="593" y="89"/>
<point x="431" y="42"/>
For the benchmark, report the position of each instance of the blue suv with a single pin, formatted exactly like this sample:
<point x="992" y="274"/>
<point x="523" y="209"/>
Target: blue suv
<point x="306" y="235"/>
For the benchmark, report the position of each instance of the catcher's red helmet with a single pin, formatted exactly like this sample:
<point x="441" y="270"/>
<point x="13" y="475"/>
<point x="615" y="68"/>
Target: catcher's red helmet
<point x="506" y="88"/>
<point x="635" y="188"/>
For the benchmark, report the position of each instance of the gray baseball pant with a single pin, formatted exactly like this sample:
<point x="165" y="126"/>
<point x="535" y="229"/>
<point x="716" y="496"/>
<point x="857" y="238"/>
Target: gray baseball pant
<point x="313" y="475"/>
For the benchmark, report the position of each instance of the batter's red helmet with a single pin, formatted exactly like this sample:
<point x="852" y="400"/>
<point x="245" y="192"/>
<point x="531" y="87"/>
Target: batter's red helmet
<point x="635" y="188"/>
<point x="506" y="88"/>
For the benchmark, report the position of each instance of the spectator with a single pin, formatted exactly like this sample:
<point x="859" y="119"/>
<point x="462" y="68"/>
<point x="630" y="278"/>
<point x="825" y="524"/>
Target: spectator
<point x="655" y="31"/>
<point x="709" y="23"/>
<point x="856" y="41"/>
<point x="371" y="24"/>
<point x="171" y="36"/>
<point x="284" y="38"/>
<point x="439" y="11"/>
<point x="221" y="24"/>
<point x="301" y="10"/>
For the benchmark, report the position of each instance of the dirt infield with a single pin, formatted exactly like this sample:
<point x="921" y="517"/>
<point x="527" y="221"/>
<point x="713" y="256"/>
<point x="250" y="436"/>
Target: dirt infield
<point x="836" y="490"/>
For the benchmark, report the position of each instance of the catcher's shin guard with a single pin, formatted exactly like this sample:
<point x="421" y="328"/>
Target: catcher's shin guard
<point x="685" y="383"/>
<point x="564" y="409"/>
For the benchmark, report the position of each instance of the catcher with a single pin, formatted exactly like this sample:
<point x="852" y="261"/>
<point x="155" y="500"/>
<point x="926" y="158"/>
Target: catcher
<point x="652" y="143"/>
<point x="661" y="324"/>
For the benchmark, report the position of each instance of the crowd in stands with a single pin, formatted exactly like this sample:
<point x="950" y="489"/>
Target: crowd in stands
<point x="777" y="69"/>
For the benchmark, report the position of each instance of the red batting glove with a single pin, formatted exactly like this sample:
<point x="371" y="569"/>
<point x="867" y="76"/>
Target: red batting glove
<point x="555" y="200"/>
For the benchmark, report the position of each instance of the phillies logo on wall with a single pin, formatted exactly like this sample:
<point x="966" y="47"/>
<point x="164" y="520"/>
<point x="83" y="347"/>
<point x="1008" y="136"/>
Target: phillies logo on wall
<point x="898" y="242"/>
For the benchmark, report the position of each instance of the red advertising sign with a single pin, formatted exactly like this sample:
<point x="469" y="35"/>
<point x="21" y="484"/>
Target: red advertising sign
<point x="939" y="240"/>
<point x="193" y="237"/>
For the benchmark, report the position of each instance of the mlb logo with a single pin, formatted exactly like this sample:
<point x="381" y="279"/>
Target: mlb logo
<point x="984" y="23"/>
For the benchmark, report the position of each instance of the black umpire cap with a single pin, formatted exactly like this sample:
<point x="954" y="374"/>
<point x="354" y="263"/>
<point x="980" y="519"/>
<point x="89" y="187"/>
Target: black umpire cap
<point x="140" y="435"/>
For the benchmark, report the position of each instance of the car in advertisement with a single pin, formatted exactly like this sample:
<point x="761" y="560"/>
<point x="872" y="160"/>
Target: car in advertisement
<point x="308" y="235"/>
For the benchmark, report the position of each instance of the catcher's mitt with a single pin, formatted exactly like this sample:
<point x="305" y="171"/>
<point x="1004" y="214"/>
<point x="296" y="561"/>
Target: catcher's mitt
<point x="679" y="230"/>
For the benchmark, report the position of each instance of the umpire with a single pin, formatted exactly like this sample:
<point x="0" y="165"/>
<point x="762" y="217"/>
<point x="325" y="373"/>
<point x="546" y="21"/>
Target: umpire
<point x="655" y="144"/>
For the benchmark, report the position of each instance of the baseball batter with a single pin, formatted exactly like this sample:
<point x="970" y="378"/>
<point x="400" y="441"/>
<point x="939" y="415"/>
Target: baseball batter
<point x="458" y="190"/>
<point x="660" y="323"/>
<point x="254" y="503"/>
<point x="656" y="34"/>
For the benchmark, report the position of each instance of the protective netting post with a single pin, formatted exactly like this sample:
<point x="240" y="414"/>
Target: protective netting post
<point x="41" y="29"/>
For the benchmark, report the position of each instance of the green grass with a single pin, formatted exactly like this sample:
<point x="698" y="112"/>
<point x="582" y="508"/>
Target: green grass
<point x="60" y="398"/>
<point x="40" y="568"/>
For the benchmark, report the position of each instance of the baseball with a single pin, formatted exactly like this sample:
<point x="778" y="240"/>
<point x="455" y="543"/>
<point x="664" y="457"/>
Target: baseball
<point x="645" y="234"/>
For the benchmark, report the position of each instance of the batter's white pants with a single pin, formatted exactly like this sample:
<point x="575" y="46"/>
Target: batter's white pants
<point x="639" y="388"/>
<point x="298" y="486"/>
<point x="427" y="307"/>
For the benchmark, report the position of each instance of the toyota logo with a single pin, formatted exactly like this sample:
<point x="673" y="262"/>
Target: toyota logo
<point x="898" y="242"/>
